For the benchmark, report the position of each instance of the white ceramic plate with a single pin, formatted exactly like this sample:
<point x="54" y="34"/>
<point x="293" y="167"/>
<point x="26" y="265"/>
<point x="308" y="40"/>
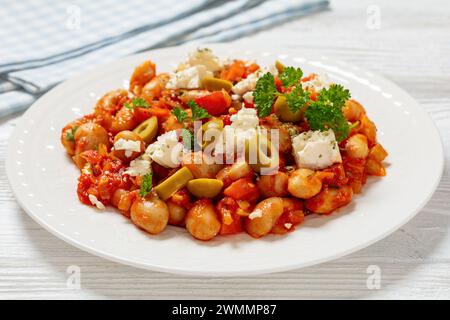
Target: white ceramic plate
<point x="44" y="178"/>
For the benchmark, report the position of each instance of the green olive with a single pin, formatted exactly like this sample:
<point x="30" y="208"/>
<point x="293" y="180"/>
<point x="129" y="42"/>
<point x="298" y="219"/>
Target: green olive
<point x="279" y="66"/>
<point x="284" y="114"/>
<point x="214" y="124"/>
<point x="172" y="184"/>
<point x="263" y="159"/>
<point x="148" y="129"/>
<point x="216" y="84"/>
<point x="205" y="188"/>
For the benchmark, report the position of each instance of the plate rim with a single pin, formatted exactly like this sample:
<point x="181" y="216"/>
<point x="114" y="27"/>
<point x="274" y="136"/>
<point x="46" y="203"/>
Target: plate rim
<point x="154" y="267"/>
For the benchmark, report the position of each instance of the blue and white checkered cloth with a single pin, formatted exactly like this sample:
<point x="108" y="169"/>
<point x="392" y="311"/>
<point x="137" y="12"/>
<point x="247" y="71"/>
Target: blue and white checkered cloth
<point x="44" y="43"/>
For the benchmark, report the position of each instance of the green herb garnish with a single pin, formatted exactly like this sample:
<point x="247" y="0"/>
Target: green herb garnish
<point x="197" y="111"/>
<point x="326" y="112"/>
<point x="136" y="102"/>
<point x="297" y="99"/>
<point x="291" y="76"/>
<point x="70" y="135"/>
<point x="146" y="185"/>
<point x="264" y="94"/>
<point x="266" y="91"/>
<point x="180" y="114"/>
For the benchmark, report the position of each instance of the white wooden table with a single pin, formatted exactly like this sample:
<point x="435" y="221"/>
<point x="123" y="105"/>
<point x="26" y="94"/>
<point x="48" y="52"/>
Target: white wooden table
<point x="411" y="46"/>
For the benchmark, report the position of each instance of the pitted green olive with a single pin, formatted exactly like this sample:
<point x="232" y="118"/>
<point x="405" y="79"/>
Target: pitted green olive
<point x="148" y="129"/>
<point x="214" y="127"/>
<point x="205" y="188"/>
<point x="259" y="155"/>
<point x="284" y="114"/>
<point x="216" y="84"/>
<point x="172" y="184"/>
<point x="279" y="66"/>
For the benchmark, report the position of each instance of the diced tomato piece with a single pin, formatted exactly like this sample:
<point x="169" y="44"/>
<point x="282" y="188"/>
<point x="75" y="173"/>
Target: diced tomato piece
<point x="250" y="69"/>
<point x="215" y="103"/>
<point x="249" y="104"/>
<point x="338" y="178"/>
<point x="292" y="216"/>
<point x="85" y="184"/>
<point x="242" y="189"/>
<point x="226" y="119"/>
<point x="235" y="72"/>
<point x="231" y="222"/>
<point x="354" y="169"/>
<point x="278" y="84"/>
<point x="142" y="114"/>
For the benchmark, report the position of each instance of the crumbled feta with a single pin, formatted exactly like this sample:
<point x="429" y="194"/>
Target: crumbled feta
<point x="318" y="82"/>
<point x="167" y="150"/>
<point x="190" y="78"/>
<point x="140" y="166"/>
<point x="288" y="225"/>
<point x="244" y="127"/>
<point x="316" y="149"/>
<point x="93" y="199"/>
<point x="129" y="146"/>
<point x="248" y="97"/>
<point x="246" y="118"/>
<point x="247" y="84"/>
<point x="255" y="214"/>
<point x="235" y="97"/>
<point x="204" y="57"/>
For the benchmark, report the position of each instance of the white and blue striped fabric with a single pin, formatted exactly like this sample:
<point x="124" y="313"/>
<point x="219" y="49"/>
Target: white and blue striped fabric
<point x="45" y="42"/>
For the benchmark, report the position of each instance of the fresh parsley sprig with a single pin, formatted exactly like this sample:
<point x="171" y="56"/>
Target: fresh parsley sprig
<point x="137" y="102"/>
<point x="291" y="76"/>
<point x="297" y="99"/>
<point x="266" y="91"/>
<point x="146" y="185"/>
<point x="326" y="112"/>
<point x="264" y="94"/>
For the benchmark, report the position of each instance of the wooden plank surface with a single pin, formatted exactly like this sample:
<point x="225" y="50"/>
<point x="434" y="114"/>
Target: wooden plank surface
<point x="410" y="46"/>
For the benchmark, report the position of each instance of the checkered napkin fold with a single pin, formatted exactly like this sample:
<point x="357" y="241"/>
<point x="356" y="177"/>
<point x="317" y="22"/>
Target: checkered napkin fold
<point x="44" y="43"/>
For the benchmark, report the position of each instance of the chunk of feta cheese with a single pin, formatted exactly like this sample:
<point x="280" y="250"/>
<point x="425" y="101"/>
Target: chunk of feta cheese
<point x="255" y="214"/>
<point x="140" y="166"/>
<point x="244" y="127"/>
<point x="204" y="57"/>
<point x="93" y="199"/>
<point x="318" y="82"/>
<point x="316" y="149"/>
<point x="248" y="97"/>
<point x="129" y="146"/>
<point x="246" y="118"/>
<point x="167" y="150"/>
<point x="247" y="84"/>
<point x="190" y="78"/>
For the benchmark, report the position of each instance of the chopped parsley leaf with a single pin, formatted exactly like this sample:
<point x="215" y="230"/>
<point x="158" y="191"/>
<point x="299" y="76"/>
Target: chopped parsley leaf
<point x="326" y="112"/>
<point x="291" y="76"/>
<point x="180" y="114"/>
<point x="146" y="185"/>
<point x="136" y="102"/>
<point x="197" y="111"/>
